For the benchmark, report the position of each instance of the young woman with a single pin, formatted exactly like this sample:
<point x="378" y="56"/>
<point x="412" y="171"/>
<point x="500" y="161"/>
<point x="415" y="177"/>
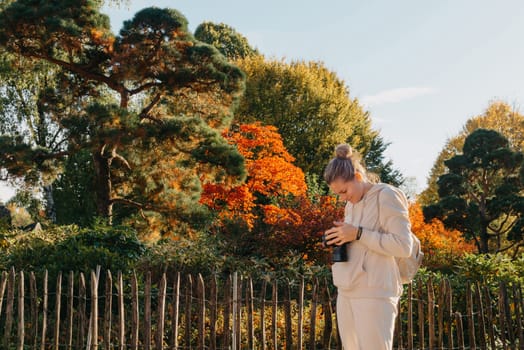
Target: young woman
<point x="377" y="229"/>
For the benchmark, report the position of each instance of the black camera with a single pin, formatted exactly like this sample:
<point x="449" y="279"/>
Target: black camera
<point x="339" y="252"/>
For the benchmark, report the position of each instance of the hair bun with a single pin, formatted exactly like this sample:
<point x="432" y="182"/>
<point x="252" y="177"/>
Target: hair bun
<point x="344" y="151"/>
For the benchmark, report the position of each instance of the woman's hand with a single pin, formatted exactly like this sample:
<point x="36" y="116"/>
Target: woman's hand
<point x="340" y="233"/>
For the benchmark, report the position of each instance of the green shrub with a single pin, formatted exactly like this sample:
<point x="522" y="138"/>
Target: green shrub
<point x="68" y="248"/>
<point x="492" y="269"/>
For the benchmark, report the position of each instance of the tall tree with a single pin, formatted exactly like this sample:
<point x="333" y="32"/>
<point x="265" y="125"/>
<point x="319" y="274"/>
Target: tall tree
<point x="313" y="112"/>
<point x="482" y="194"/>
<point x="499" y="116"/>
<point x="155" y="100"/>
<point x="226" y="39"/>
<point x="28" y="112"/>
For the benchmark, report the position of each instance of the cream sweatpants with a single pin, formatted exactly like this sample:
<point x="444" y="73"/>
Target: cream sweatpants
<point x="366" y="323"/>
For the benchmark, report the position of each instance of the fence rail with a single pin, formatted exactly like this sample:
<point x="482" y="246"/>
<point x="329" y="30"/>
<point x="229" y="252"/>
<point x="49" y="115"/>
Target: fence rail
<point x="177" y="311"/>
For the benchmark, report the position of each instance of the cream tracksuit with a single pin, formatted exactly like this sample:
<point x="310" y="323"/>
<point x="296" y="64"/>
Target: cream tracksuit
<point x="369" y="282"/>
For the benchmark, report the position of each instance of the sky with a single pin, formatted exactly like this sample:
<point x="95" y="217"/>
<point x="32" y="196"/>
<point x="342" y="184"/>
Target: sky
<point x="421" y="68"/>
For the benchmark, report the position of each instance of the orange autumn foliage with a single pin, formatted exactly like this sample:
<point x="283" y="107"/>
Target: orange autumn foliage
<point x="438" y="243"/>
<point x="270" y="174"/>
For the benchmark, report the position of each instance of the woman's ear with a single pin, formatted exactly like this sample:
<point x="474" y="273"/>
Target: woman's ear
<point x="358" y="176"/>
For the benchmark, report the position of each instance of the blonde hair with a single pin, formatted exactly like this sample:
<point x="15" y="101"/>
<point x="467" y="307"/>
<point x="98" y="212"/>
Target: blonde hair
<point x="345" y="165"/>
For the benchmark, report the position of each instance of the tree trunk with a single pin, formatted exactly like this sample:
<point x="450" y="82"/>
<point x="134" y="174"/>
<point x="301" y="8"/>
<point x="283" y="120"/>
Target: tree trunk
<point x="103" y="185"/>
<point x="50" y="202"/>
<point x="484" y="240"/>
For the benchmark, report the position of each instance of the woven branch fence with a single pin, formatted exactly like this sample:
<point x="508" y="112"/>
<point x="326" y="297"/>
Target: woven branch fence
<point x="174" y="311"/>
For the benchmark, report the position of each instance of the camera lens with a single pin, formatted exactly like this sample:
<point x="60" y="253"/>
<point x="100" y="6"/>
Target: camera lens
<point x="339" y="253"/>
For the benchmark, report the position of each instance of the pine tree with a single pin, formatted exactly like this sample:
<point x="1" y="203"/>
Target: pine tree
<point x="153" y="101"/>
<point x="481" y="195"/>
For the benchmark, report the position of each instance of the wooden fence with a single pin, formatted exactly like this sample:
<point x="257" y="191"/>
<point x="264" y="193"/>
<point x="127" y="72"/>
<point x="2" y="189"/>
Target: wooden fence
<point x="192" y="312"/>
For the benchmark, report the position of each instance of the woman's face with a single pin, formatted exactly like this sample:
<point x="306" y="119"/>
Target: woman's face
<point x="351" y="191"/>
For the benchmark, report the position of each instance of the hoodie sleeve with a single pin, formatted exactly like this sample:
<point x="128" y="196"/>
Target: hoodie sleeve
<point x="396" y="237"/>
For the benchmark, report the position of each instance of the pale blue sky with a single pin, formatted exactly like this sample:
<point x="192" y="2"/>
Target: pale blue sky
<point x="421" y="67"/>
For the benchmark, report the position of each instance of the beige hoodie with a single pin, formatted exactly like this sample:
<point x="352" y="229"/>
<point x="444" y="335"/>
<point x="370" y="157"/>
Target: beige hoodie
<point x="371" y="270"/>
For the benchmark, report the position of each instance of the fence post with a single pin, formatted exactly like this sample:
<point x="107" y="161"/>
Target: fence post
<point x="507" y="313"/>
<point x="121" y="312"/>
<point x="34" y="309"/>
<point x="213" y="300"/>
<point x="176" y="310"/>
<point x="249" y="311"/>
<point x="300" y="313"/>
<point x="3" y="284"/>
<point x="263" y="316"/>
<point x="147" y="312"/>
<point x="517" y="305"/>
<point x="449" y="308"/>
<point x="235" y="310"/>
<point x="328" y="323"/>
<point x="201" y="312"/>
<point x="460" y="331"/>
<point x="440" y="313"/>
<point x="410" y="316"/>
<point x="93" y="334"/>
<point x="227" y="314"/>
<point x="491" y="320"/>
<point x="160" y="313"/>
<point x="9" y="308"/>
<point x="471" y="321"/>
<point x="70" y="310"/>
<point x="287" y="315"/>
<point x="482" y="319"/>
<point x="313" y="316"/>
<point x="58" y="305"/>
<point x="189" y="296"/>
<point x="21" y="325"/>
<point x="135" y="315"/>
<point x="82" y="301"/>
<point x="108" y="306"/>
<point x="398" y="334"/>
<point x="274" y="315"/>
<point x="239" y="312"/>
<point x="420" y="305"/>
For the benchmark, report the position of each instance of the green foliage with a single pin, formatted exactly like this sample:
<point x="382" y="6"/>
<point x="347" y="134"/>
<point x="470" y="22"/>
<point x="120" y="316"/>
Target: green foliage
<point x="68" y="248"/>
<point x="313" y="111"/>
<point x="491" y="269"/>
<point x="481" y="195"/>
<point x="226" y="39"/>
<point x="212" y="254"/>
<point x="73" y="191"/>
<point x="315" y="186"/>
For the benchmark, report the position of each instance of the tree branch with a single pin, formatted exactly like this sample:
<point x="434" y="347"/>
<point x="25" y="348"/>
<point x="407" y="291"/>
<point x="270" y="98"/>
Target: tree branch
<point x="143" y="87"/>
<point x="132" y="203"/>
<point x="76" y="68"/>
<point x="145" y="112"/>
<point x="120" y="158"/>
